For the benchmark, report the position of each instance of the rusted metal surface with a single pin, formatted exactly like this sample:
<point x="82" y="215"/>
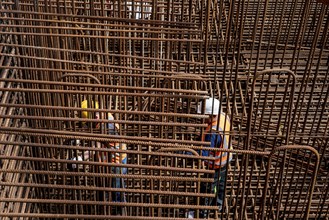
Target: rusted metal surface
<point x="149" y="63"/>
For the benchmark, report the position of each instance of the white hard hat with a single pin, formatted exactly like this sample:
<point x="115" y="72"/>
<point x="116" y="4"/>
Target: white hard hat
<point x="212" y="106"/>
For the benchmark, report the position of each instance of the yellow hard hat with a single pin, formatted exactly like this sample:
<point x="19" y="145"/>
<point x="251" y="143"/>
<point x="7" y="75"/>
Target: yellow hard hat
<point x="84" y="104"/>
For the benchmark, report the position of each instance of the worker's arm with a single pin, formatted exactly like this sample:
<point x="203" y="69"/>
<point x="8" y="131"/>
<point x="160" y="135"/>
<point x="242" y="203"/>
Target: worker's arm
<point x="215" y="141"/>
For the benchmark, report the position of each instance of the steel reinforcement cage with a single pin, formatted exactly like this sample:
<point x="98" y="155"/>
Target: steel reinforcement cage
<point x="149" y="64"/>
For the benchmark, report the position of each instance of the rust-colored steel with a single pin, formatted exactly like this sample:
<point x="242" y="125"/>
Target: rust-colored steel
<point x="68" y="67"/>
<point x="323" y="1"/>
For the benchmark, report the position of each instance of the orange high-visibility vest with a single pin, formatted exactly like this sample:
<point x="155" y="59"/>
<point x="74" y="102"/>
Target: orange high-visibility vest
<point x="221" y="158"/>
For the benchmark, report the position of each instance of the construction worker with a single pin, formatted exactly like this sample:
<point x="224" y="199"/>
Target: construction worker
<point x="217" y="134"/>
<point x="107" y="157"/>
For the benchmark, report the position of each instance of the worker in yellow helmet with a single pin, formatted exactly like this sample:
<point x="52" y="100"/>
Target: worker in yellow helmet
<point x="84" y="104"/>
<point x="113" y="129"/>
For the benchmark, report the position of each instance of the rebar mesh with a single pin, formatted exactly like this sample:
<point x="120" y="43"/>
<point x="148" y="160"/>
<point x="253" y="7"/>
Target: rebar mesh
<point x="149" y="64"/>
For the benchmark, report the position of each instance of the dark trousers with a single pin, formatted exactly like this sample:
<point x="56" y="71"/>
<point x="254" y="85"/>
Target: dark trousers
<point x="217" y="187"/>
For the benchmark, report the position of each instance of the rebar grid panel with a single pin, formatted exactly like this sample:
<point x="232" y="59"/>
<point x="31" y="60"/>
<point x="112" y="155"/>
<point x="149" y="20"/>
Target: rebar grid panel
<point x="284" y="181"/>
<point x="139" y="111"/>
<point x="296" y="36"/>
<point x="7" y="97"/>
<point x="149" y="63"/>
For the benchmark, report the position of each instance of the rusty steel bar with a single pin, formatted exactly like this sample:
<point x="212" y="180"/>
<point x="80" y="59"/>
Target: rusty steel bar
<point x="155" y="22"/>
<point x="109" y="203"/>
<point x="99" y="137"/>
<point x="104" y="37"/>
<point x="193" y="147"/>
<point x="162" y="31"/>
<point x="109" y="175"/>
<point x="100" y="53"/>
<point x="104" y="189"/>
<point x="314" y="173"/>
<point x="104" y="110"/>
<point x="79" y="216"/>
<point x="39" y="82"/>
<point x="149" y="63"/>
<point x="173" y="75"/>
<point x="99" y="120"/>
<point x="102" y="164"/>
<point x="100" y="93"/>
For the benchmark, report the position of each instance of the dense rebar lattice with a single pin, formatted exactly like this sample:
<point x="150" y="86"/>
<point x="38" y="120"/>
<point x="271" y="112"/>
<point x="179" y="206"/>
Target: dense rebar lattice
<point x="149" y="63"/>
